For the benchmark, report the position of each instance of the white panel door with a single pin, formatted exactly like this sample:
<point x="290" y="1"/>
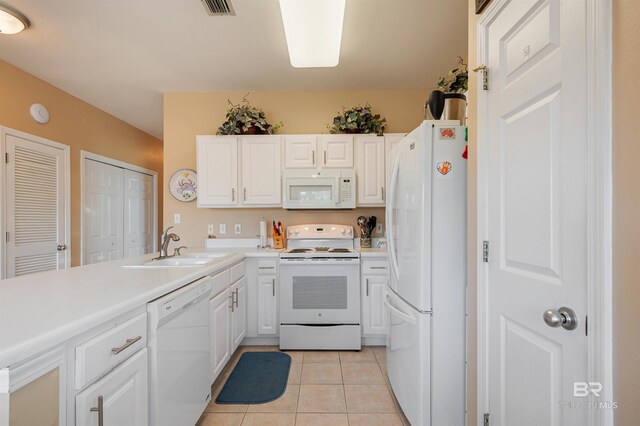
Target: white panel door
<point x="375" y="316"/>
<point x="337" y="151"/>
<point x="261" y="171"/>
<point x="300" y="151"/>
<point x="220" y="329"/>
<point x="267" y="305"/>
<point x="536" y="216"/>
<point x="370" y="170"/>
<point x="391" y="142"/>
<point x="103" y="215"/>
<point x="124" y="395"/>
<point x="239" y="312"/>
<point x="217" y="158"/>
<point x="36" y="181"/>
<point x="138" y="213"/>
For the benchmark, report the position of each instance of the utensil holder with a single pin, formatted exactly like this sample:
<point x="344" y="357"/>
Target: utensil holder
<point x="365" y="242"/>
<point x="279" y="242"/>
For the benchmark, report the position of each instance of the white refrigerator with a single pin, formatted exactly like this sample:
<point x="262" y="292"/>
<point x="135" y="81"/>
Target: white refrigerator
<point x="426" y="223"/>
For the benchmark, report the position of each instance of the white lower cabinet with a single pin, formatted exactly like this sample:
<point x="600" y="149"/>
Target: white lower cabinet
<point x="374" y="279"/>
<point x="119" y="398"/>
<point x="267" y="305"/>
<point x="220" y="329"/>
<point x="238" y="312"/>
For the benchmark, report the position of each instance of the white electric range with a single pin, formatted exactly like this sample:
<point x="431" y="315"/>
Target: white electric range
<point x="320" y="289"/>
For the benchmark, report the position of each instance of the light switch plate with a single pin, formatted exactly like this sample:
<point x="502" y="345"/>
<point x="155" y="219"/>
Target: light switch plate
<point x="210" y="230"/>
<point x="223" y="228"/>
<point x="176" y="218"/>
<point x="379" y="228"/>
<point x="237" y="228"/>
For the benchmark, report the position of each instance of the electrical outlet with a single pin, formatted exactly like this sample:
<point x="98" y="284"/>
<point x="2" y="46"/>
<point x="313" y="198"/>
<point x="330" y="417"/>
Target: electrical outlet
<point x="210" y="230"/>
<point x="176" y="218"/>
<point x="223" y="228"/>
<point x="379" y="228"/>
<point x="237" y="228"/>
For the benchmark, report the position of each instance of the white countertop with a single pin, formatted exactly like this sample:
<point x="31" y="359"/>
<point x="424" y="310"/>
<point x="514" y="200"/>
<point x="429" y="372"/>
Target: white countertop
<point x="372" y="252"/>
<point x="40" y="311"/>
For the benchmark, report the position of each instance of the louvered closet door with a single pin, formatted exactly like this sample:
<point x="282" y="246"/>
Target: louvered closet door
<point x="138" y="213"/>
<point x="36" y="206"/>
<point x="103" y="218"/>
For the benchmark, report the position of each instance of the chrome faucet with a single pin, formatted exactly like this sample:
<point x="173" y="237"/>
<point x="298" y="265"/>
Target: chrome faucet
<point x="164" y="244"/>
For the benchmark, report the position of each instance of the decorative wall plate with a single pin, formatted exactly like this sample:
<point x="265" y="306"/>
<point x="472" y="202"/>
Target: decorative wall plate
<point x="183" y="185"/>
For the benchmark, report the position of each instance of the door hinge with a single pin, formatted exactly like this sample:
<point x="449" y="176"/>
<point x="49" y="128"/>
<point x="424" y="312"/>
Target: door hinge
<point x="485" y="76"/>
<point x="486" y="419"/>
<point x="485" y="251"/>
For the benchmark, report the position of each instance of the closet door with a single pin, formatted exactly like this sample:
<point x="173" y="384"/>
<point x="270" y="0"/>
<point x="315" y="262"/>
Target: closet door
<point x="36" y="206"/>
<point x="103" y="212"/>
<point x="138" y="213"/>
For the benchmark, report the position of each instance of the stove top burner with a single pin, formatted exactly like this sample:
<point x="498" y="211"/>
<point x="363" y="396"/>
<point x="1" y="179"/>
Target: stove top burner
<point x="321" y="249"/>
<point x="299" y="250"/>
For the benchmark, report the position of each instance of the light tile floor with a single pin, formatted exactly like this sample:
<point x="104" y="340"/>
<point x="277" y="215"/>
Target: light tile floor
<point x="326" y="388"/>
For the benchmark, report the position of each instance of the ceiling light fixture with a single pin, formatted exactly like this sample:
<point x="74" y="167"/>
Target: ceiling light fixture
<point x="313" y="29"/>
<point x="12" y="21"/>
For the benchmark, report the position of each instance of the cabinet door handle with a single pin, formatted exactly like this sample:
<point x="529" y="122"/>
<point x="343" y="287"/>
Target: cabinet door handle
<point x="367" y="281"/>
<point x="127" y="343"/>
<point x="325" y="158"/>
<point x="313" y="158"/>
<point x="233" y="194"/>
<point x="244" y="190"/>
<point x="231" y="297"/>
<point x="237" y="296"/>
<point x="273" y="287"/>
<point x="382" y="191"/>
<point x="100" y="410"/>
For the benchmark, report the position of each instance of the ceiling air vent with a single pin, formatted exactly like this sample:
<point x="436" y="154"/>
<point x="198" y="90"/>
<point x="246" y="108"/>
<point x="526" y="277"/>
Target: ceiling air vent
<point x="218" y="7"/>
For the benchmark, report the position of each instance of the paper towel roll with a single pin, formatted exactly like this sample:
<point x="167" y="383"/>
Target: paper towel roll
<point x="263" y="232"/>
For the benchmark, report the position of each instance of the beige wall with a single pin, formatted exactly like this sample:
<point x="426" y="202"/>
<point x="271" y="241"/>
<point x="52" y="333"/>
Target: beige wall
<point x="37" y="403"/>
<point x="78" y="124"/>
<point x="626" y="210"/>
<point x="189" y="114"/>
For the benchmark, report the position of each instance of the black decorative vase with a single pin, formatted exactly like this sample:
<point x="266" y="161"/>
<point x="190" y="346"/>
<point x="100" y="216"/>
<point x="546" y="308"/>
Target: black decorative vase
<point x="435" y="105"/>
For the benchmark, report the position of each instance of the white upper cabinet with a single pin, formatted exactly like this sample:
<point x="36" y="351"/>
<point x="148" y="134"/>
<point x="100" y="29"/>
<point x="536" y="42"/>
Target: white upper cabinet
<point x="217" y="158"/>
<point x="261" y="171"/>
<point x="300" y="151"/>
<point x="336" y="151"/>
<point x="391" y="144"/>
<point x="370" y="170"/>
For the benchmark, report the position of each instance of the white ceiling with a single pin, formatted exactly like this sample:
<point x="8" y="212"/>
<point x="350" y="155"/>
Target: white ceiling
<point x="122" y="55"/>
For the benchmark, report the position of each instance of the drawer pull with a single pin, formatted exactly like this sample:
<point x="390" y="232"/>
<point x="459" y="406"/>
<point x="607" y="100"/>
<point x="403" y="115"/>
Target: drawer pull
<point x="100" y="410"/>
<point x="378" y="267"/>
<point x="267" y="267"/>
<point x="128" y="343"/>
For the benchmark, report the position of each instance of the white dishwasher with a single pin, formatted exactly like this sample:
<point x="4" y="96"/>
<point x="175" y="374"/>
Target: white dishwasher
<point x="179" y="361"/>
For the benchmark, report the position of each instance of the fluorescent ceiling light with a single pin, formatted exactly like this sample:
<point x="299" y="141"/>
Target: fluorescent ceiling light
<point x="12" y="21"/>
<point x="313" y="29"/>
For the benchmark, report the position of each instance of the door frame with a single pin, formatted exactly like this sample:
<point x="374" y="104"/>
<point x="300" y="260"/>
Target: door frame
<point x="86" y="155"/>
<point x="4" y="132"/>
<point x="599" y="207"/>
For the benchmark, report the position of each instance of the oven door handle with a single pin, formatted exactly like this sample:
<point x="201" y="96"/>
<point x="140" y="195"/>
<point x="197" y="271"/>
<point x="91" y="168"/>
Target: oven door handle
<point x="407" y="318"/>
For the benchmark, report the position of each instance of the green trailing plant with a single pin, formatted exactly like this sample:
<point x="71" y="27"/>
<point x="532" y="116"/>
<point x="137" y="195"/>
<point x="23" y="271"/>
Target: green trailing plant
<point x="358" y="120"/>
<point x="457" y="81"/>
<point x="244" y="119"/>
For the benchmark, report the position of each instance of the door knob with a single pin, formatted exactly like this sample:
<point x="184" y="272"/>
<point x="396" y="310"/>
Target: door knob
<point x="565" y="317"/>
<point x="62" y="247"/>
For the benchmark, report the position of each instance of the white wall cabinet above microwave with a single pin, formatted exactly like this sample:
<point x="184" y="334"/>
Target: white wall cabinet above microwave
<point x="254" y="181"/>
<point x="318" y="151"/>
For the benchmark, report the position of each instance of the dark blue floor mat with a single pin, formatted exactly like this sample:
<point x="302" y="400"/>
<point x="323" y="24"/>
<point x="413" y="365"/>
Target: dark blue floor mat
<point x="258" y="377"/>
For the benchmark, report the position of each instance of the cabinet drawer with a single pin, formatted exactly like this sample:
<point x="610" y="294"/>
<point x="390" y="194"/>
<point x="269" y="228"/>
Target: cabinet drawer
<point x="237" y="271"/>
<point x="267" y="267"/>
<point x="110" y="348"/>
<point x="220" y="282"/>
<point x="375" y="267"/>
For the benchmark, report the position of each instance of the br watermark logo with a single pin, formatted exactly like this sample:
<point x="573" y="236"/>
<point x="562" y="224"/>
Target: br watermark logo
<point x="589" y="390"/>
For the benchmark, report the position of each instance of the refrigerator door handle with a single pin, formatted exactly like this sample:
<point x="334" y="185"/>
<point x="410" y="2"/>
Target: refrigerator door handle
<point x="391" y="197"/>
<point x="406" y="318"/>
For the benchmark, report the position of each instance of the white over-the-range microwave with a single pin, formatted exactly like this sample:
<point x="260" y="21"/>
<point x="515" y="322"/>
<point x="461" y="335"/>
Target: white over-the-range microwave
<point x="319" y="189"/>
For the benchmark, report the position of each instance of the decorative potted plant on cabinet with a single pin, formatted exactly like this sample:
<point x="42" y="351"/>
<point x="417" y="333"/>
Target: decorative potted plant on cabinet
<point x="358" y="120"/>
<point x="450" y="97"/>
<point x="244" y="119"/>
